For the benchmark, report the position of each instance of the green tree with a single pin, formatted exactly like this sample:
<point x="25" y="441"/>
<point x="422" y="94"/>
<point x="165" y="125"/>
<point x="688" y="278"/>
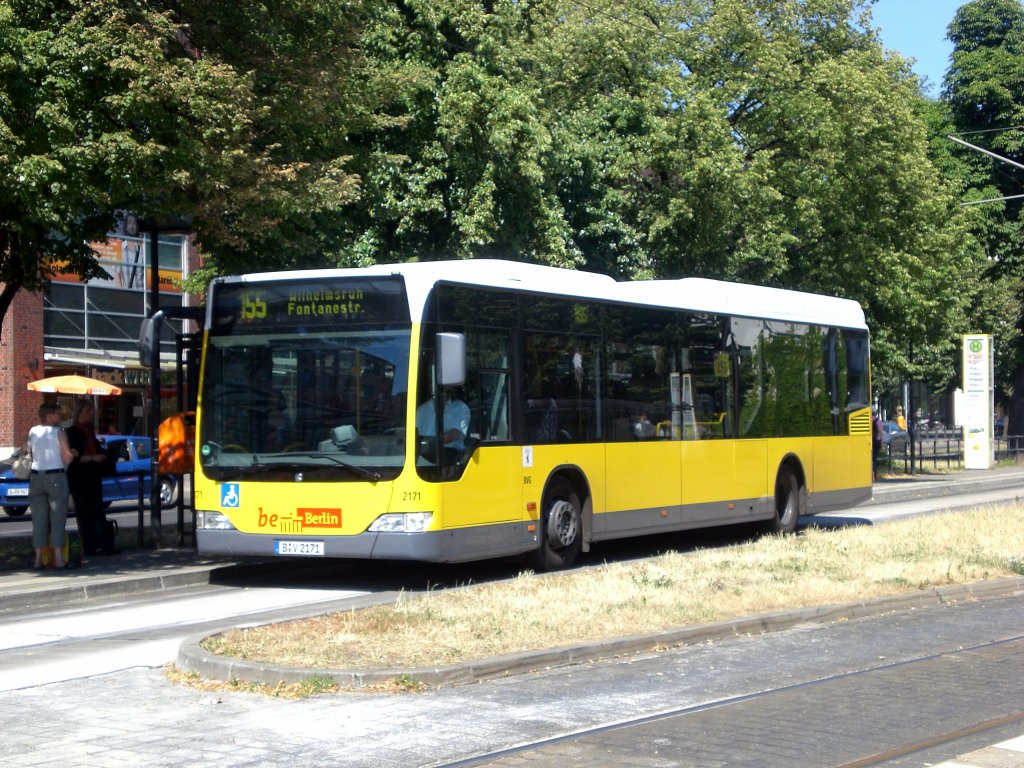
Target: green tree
<point x="229" y="115"/>
<point x="812" y="171"/>
<point x="524" y="123"/>
<point x="984" y="94"/>
<point x="753" y="140"/>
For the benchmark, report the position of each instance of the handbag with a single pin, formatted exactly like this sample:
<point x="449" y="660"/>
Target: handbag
<point x="22" y="466"/>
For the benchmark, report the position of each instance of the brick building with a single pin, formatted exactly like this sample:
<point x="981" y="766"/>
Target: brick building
<point x="92" y="328"/>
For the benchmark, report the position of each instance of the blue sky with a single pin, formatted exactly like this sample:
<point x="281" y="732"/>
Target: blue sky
<point x="917" y="29"/>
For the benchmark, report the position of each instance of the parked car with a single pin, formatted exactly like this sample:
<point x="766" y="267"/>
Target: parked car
<point x="130" y="454"/>
<point x="894" y="439"/>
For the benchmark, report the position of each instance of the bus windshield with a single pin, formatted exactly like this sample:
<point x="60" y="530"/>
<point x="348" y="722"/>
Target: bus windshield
<point x="306" y="378"/>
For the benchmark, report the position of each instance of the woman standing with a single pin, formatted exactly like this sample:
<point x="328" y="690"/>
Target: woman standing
<point x="85" y="478"/>
<point x="901" y="420"/>
<point x="48" y="484"/>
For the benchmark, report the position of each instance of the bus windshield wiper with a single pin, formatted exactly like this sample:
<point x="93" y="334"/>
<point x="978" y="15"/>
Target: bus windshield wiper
<point x="231" y="472"/>
<point x="369" y="474"/>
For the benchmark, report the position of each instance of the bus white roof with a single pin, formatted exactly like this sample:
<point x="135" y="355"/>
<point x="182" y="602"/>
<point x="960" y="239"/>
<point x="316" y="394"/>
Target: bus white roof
<point x="716" y="296"/>
<point x="694" y="294"/>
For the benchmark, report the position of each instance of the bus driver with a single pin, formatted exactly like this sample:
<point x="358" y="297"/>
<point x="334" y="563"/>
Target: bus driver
<point x="455" y="422"/>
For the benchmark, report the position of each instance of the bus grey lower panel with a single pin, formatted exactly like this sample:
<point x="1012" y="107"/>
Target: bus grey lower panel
<point x="826" y="501"/>
<point x="643" y="522"/>
<point x="455" y="545"/>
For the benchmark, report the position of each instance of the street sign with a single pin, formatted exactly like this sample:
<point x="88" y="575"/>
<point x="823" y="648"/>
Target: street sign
<point x="979" y="396"/>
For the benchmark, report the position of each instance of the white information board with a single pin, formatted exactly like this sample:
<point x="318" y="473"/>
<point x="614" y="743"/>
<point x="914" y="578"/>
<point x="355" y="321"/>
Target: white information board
<point x="979" y="398"/>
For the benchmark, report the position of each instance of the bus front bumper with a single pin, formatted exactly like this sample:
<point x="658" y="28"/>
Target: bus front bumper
<point x="425" y="546"/>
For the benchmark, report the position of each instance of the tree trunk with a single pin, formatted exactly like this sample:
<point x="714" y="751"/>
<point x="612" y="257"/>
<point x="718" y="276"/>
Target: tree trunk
<point x="6" y="297"/>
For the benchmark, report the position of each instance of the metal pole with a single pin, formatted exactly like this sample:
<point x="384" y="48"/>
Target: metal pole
<point x="911" y="423"/>
<point x="141" y="527"/>
<point x="149" y="355"/>
<point x="180" y="384"/>
<point x="154" y="391"/>
<point x="991" y="154"/>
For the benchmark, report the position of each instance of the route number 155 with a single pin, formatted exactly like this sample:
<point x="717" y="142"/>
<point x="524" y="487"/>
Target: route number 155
<point x="253" y="305"/>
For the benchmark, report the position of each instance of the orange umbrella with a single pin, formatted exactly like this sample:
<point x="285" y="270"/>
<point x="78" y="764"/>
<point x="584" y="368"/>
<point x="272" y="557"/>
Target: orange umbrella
<point x="74" y="385"/>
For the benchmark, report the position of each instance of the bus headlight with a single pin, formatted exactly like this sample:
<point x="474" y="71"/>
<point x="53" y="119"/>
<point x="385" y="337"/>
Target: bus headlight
<point x="216" y="521"/>
<point x="411" y="522"/>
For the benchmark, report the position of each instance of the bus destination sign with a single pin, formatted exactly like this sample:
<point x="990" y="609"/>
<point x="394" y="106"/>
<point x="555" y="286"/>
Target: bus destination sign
<point x="293" y="303"/>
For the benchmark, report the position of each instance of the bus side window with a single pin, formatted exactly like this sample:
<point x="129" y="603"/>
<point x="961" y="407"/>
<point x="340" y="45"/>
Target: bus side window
<point x="492" y="414"/>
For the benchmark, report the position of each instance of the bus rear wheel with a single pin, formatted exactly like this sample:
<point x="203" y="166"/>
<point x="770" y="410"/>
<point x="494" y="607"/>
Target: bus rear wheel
<point x="561" y="526"/>
<point x="790" y="498"/>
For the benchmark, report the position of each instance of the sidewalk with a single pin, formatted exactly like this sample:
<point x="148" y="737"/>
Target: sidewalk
<point x="150" y="570"/>
<point x="921" y="486"/>
<point x="131" y="572"/>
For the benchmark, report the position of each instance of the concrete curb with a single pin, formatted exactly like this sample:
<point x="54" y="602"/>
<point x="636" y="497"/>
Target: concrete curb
<point x="44" y="592"/>
<point x="105" y="588"/>
<point x="192" y="657"/>
<point x="937" y="486"/>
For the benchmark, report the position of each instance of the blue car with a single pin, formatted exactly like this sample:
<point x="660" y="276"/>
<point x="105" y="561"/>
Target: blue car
<point x="131" y="455"/>
<point x="894" y="439"/>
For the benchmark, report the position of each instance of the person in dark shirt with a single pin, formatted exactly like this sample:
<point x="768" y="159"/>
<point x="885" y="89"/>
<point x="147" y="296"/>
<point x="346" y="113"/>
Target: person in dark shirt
<point x="85" y="480"/>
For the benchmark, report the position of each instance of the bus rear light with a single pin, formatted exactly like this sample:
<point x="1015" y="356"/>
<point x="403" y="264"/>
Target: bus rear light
<point x="411" y="522"/>
<point x="213" y="521"/>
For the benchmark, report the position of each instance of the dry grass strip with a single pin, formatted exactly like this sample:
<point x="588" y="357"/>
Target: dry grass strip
<point x="529" y="612"/>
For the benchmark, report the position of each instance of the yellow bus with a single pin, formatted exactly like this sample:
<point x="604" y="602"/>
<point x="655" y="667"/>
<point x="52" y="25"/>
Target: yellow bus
<point x="576" y="409"/>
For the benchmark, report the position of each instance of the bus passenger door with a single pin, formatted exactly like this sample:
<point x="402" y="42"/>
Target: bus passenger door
<point x="642" y="483"/>
<point x="752" y="485"/>
<point x="724" y="481"/>
<point x="707" y="479"/>
<point x="487" y="490"/>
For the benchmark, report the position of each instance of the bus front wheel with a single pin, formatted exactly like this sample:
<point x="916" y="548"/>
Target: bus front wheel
<point x="561" y="526"/>
<point x="790" y="502"/>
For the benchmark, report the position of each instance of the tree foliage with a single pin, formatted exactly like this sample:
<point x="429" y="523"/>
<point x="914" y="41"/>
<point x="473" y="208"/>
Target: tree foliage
<point x="984" y="95"/>
<point x="834" y="191"/>
<point x="768" y="141"/>
<point x="753" y="140"/>
<point x="229" y="114"/>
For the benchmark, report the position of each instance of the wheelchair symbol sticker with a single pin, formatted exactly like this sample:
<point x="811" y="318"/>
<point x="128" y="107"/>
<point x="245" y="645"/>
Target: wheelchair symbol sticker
<point x="229" y="495"/>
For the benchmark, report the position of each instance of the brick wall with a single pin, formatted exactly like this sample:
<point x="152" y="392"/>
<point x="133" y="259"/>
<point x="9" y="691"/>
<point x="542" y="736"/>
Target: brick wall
<point x="21" y="361"/>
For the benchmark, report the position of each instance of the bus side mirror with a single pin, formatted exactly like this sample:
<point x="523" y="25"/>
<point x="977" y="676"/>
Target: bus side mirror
<point x="451" y="359"/>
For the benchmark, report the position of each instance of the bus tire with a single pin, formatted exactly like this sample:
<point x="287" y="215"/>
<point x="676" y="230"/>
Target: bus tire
<point x="561" y="531"/>
<point x="790" y="502"/>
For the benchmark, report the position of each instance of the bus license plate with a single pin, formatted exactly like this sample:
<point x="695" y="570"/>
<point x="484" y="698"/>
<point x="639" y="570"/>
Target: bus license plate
<point x="18" y="491"/>
<point x="313" y="548"/>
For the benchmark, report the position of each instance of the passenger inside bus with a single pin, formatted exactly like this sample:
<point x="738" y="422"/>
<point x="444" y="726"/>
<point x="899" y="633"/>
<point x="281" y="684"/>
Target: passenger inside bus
<point x="644" y="428"/>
